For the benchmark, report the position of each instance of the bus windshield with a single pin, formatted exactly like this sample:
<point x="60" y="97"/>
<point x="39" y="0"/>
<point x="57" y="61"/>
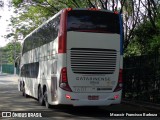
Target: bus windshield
<point x="93" y="21"/>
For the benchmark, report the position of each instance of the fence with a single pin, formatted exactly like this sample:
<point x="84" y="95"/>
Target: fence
<point x="9" y="68"/>
<point x="142" y="78"/>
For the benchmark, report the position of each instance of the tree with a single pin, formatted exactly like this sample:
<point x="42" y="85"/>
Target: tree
<point x="32" y="13"/>
<point x="35" y="12"/>
<point x="11" y="51"/>
<point x="146" y="39"/>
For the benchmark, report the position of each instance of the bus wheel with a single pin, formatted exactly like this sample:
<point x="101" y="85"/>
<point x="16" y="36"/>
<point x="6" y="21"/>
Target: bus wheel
<point x="40" y="97"/>
<point x="24" y="92"/>
<point x="46" y="100"/>
<point x="23" y="89"/>
<point x="21" y="86"/>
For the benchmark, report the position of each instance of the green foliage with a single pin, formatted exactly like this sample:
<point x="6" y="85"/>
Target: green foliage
<point x="128" y="6"/>
<point x="146" y="39"/>
<point x="16" y="3"/>
<point x="32" y="19"/>
<point x="11" y="51"/>
<point x="132" y="49"/>
<point x="35" y="12"/>
<point x="155" y="43"/>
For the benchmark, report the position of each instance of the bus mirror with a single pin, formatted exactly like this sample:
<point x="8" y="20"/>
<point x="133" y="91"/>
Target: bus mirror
<point x="16" y="65"/>
<point x="17" y="62"/>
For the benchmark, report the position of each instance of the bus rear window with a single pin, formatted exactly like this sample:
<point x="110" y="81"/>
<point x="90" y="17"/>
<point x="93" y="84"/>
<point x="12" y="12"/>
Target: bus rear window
<point x="93" y="21"/>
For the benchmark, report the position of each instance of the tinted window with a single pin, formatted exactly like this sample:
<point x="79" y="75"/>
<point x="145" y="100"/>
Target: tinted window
<point x="45" y="34"/>
<point x="30" y="70"/>
<point x="93" y="21"/>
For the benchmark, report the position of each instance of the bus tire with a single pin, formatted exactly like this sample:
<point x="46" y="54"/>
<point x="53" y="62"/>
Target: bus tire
<point x="40" y="96"/>
<point x="21" y="86"/>
<point x="24" y="92"/>
<point x="46" y="100"/>
<point x="23" y="89"/>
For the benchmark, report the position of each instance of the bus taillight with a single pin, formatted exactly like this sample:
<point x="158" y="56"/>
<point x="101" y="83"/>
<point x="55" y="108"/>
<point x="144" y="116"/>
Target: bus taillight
<point x="116" y="12"/>
<point x="68" y="97"/>
<point x="116" y="96"/>
<point x="64" y="80"/>
<point x="69" y="9"/>
<point x="62" y="35"/>
<point x="119" y="84"/>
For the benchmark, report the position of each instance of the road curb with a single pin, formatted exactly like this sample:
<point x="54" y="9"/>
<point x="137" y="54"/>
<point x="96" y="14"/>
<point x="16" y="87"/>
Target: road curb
<point x="9" y="77"/>
<point x="4" y="74"/>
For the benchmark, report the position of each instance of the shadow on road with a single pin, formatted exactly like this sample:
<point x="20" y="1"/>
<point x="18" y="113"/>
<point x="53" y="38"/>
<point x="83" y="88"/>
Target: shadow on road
<point x="81" y="111"/>
<point x="12" y="100"/>
<point x="97" y="111"/>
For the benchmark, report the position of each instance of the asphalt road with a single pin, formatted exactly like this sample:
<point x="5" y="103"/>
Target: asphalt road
<point x="12" y="101"/>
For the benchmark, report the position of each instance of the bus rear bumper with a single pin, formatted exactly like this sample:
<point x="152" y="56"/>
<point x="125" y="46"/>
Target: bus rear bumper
<point x="81" y="99"/>
<point x="93" y="103"/>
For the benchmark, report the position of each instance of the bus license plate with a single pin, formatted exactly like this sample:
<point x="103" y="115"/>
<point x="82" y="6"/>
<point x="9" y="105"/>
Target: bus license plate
<point x="93" y="97"/>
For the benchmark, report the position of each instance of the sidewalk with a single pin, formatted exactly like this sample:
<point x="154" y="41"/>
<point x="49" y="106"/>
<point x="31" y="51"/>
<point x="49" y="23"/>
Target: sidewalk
<point x="7" y="76"/>
<point x="4" y="74"/>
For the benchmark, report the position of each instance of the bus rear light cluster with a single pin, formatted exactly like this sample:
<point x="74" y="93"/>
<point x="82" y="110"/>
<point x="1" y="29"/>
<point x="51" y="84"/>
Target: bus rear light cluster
<point x="69" y="9"/>
<point x="68" y="96"/>
<point x="64" y="80"/>
<point x="116" y="12"/>
<point x="62" y="35"/>
<point x="119" y="84"/>
<point x="62" y="43"/>
<point x="116" y="96"/>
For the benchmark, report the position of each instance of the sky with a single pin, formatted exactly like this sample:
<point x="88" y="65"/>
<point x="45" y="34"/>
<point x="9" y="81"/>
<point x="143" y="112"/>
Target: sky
<point x="5" y="13"/>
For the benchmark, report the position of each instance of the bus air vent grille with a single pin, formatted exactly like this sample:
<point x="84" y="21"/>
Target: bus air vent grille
<point x="93" y="61"/>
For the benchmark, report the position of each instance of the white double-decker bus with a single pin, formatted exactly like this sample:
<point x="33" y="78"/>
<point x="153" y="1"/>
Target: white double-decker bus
<point x="74" y="58"/>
